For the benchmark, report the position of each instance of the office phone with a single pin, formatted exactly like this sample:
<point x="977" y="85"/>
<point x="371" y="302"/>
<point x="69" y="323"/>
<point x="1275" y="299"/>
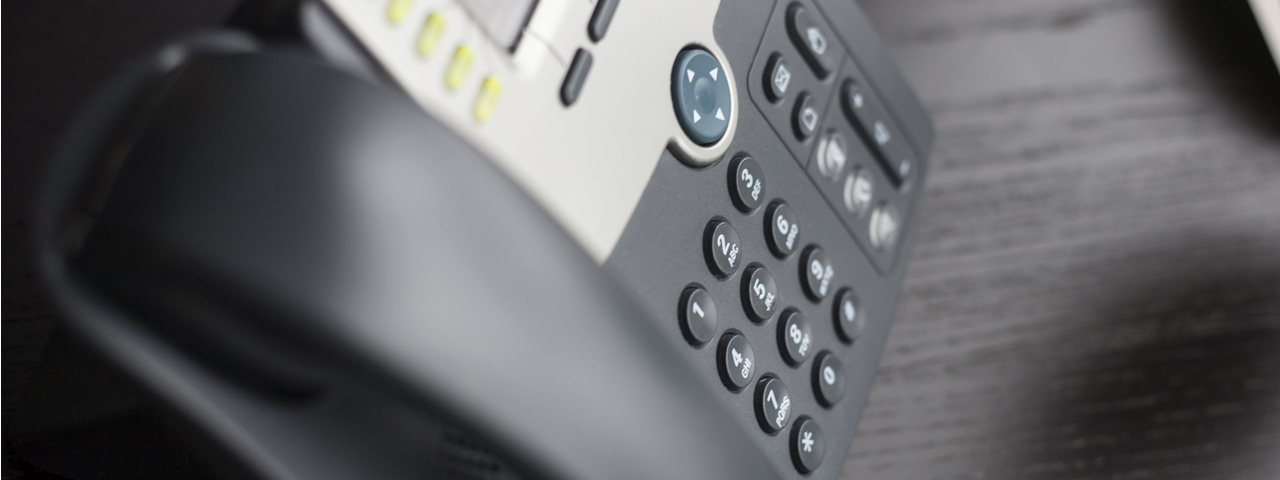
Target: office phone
<point x="479" y="239"/>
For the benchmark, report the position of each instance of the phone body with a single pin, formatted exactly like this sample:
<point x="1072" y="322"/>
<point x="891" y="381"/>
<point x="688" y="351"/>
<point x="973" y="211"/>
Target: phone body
<point x="741" y="176"/>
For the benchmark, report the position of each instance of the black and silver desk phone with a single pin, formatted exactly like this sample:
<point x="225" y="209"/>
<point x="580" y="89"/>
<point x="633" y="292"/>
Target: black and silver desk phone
<point x="479" y="239"/>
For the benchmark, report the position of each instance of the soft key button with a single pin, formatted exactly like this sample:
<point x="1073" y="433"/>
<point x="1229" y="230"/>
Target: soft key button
<point x="459" y="65"/>
<point x="397" y="10"/>
<point x="773" y="404"/>
<point x="737" y="361"/>
<point x="429" y="36"/>
<point x="746" y="184"/>
<point x="703" y="101"/>
<point x="487" y="99"/>
<point x="721" y="245"/>
<point x="813" y="41"/>
<point x="576" y="77"/>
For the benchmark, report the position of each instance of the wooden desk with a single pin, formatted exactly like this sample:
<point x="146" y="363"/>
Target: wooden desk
<point x="1095" y="286"/>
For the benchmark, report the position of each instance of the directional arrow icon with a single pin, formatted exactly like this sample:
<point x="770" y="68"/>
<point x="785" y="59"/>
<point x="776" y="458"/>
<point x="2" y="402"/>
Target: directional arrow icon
<point x="689" y="73"/>
<point x="719" y="114"/>
<point x="715" y="72"/>
<point x="696" y="117"/>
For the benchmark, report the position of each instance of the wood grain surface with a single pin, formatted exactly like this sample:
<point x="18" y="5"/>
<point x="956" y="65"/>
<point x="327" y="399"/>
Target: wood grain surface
<point x="1094" y="290"/>
<point x="1095" y="286"/>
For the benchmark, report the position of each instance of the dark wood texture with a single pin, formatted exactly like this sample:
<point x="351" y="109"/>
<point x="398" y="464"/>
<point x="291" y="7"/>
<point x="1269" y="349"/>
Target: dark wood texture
<point x="1095" y="286"/>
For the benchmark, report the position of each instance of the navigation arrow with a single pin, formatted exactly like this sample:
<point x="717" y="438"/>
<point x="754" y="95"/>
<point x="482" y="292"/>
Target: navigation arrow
<point x="696" y="117"/>
<point x="719" y="114"/>
<point x="689" y="73"/>
<point x="715" y="72"/>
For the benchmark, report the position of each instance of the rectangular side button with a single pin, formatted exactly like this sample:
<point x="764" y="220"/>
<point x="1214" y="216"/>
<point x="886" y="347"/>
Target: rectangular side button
<point x="576" y="77"/>
<point x="871" y="120"/>
<point x="600" y="19"/>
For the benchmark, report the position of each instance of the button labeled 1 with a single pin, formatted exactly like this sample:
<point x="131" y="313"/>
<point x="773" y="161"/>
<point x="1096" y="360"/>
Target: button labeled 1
<point x="698" y="320"/>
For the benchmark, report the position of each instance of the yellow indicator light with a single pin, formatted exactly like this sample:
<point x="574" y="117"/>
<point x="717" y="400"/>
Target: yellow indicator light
<point x="458" y="67"/>
<point x="488" y="97"/>
<point x="430" y="34"/>
<point x="397" y="10"/>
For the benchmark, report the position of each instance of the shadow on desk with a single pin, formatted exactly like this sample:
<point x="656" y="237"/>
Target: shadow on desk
<point x="1177" y="374"/>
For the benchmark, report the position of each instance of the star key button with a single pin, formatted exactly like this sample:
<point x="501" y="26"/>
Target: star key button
<point x="703" y="100"/>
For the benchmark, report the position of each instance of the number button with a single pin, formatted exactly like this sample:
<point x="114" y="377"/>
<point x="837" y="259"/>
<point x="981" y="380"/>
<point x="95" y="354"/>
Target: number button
<point x="816" y="273"/>
<point x="737" y="361"/>
<point x="828" y="379"/>
<point x="746" y="184"/>
<point x="721" y="248"/>
<point x="782" y="230"/>
<point x="794" y="338"/>
<point x="759" y="294"/>
<point x="773" y="404"/>
<point x="807" y="448"/>
<point x="698" y="318"/>
<point x="848" y="315"/>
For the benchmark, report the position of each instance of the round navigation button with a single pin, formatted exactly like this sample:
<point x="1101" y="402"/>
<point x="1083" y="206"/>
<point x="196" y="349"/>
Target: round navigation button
<point x="848" y="316"/>
<point x="828" y="379"/>
<point x="782" y="230"/>
<point x="759" y="294"/>
<point x="703" y="100"/>
<point x="698" y="318"/>
<point x="807" y="448"/>
<point x="721" y="245"/>
<point x="773" y="404"/>
<point x="737" y="361"/>
<point x="816" y="273"/>
<point x="746" y="184"/>
<point x="794" y="338"/>
<point x="806" y="116"/>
